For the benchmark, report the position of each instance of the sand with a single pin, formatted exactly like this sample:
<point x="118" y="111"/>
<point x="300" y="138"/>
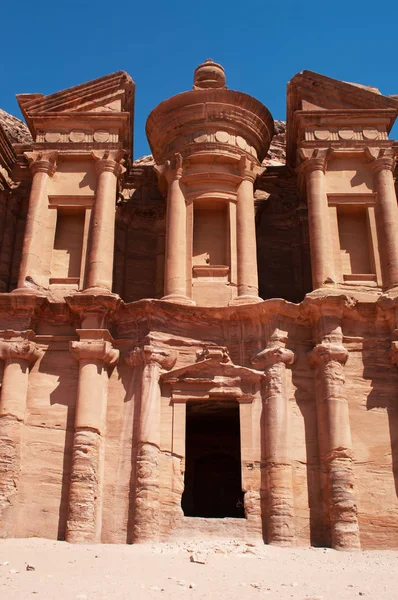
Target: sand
<point x="60" y="571"/>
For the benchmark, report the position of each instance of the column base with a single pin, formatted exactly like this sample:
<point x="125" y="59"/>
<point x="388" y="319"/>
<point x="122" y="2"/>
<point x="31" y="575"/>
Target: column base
<point x="245" y="299"/>
<point x="97" y="291"/>
<point x="179" y="299"/>
<point x="30" y="291"/>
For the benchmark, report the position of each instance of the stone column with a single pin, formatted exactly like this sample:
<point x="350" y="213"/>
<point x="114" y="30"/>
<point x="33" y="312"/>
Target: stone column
<point x="387" y="215"/>
<point x="322" y="266"/>
<point x="246" y="236"/>
<point x="102" y="234"/>
<point x="42" y="165"/>
<point x="146" y="520"/>
<point x="95" y="356"/>
<point x="328" y="358"/>
<point x="274" y="360"/>
<point x="175" y="281"/>
<point x="18" y="357"/>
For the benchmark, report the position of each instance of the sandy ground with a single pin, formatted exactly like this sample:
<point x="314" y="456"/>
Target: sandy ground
<point x="164" y="571"/>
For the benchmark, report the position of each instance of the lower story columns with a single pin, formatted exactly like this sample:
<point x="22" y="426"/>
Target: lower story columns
<point x="18" y="356"/>
<point x="280" y="528"/>
<point x="328" y="359"/>
<point x="95" y="354"/>
<point x="146" y="519"/>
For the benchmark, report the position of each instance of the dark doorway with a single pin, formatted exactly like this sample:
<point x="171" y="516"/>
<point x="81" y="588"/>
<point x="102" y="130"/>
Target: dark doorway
<point x="213" y="481"/>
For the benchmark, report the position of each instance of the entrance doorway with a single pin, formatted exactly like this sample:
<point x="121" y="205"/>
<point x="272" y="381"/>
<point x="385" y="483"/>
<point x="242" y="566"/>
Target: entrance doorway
<point x="213" y="481"/>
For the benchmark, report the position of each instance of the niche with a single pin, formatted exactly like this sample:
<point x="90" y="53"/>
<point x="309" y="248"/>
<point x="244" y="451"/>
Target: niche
<point x="210" y="234"/>
<point x="66" y="258"/>
<point x="356" y="249"/>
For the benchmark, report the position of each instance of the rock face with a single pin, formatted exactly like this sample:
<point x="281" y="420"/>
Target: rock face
<point x="15" y="129"/>
<point x="202" y="341"/>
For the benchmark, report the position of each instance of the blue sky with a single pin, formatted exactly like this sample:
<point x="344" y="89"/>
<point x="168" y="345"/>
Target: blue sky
<point x="49" y="46"/>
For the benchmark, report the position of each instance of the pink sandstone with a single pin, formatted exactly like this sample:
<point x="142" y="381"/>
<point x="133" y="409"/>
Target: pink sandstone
<point x="204" y="341"/>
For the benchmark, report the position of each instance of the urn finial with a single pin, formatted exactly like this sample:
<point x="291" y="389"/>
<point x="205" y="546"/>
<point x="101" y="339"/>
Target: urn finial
<point x="209" y="75"/>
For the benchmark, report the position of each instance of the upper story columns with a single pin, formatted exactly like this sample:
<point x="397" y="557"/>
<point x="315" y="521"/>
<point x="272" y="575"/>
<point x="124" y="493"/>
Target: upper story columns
<point x="246" y="234"/>
<point x="313" y="167"/>
<point x="101" y="250"/>
<point x="69" y="237"/>
<point x="337" y="137"/>
<point x="175" y="282"/>
<point x="208" y="145"/>
<point x="42" y="166"/>
<point x="382" y="163"/>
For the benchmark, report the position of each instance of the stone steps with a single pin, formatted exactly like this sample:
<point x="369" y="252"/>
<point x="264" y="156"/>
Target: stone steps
<point x="200" y="528"/>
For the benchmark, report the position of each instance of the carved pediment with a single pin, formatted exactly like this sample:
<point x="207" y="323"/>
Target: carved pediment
<point x="213" y="376"/>
<point x="312" y="91"/>
<point x="101" y="99"/>
<point x="324" y="98"/>
<point x="109" y="93"/>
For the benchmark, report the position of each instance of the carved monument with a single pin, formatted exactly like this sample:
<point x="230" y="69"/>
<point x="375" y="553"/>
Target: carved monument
<point x="202" y="342"/>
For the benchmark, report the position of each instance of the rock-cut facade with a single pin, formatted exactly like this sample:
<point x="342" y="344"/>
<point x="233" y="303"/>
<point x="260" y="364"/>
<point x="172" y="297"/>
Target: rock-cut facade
<point x="202" y="342"/>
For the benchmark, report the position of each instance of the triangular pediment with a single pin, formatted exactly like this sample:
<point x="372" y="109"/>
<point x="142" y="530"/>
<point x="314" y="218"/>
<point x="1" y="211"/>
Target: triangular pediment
<point x="312" y="97"/>
<point x="111" y="93"/>
<point x="312" y="91"/>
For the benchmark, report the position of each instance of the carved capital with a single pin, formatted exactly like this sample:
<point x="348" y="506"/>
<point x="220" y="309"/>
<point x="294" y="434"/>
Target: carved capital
<point x="109" y="161"/>
<point x="313" y="160"/>
<point x="381" y="160"/>
<point x="248" y="170"/>
<point x="93" y="350"/>
<point x="152" y="354"/>
<point x="42" y="162"/>
<point x="19" y="350"/>
<point x="324" y="353"/>
<point x="172" y="169"/>
<point x="271" y="356"/>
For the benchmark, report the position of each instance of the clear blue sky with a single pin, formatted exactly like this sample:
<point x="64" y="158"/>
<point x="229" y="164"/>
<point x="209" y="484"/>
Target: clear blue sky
<point x="48" y="46"/>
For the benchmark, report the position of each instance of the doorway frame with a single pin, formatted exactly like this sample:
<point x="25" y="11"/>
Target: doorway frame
<point x="215" y="377"/>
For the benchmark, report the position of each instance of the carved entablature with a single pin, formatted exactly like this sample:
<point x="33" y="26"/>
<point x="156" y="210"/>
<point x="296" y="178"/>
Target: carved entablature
<point x="212" y="379"/>
<point x="343" y="128"/>
<point x="220" y="139"/>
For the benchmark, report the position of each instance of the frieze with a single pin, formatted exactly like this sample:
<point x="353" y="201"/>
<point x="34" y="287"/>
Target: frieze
<point x="345" y="133"/>
<point x="215" y="136"/>
<point x="77" y="136"/>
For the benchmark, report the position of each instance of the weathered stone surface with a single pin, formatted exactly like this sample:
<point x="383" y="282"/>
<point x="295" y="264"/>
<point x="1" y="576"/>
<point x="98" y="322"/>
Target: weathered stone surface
<point x="16" y="130"/>
<point x="203" y="344"/>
